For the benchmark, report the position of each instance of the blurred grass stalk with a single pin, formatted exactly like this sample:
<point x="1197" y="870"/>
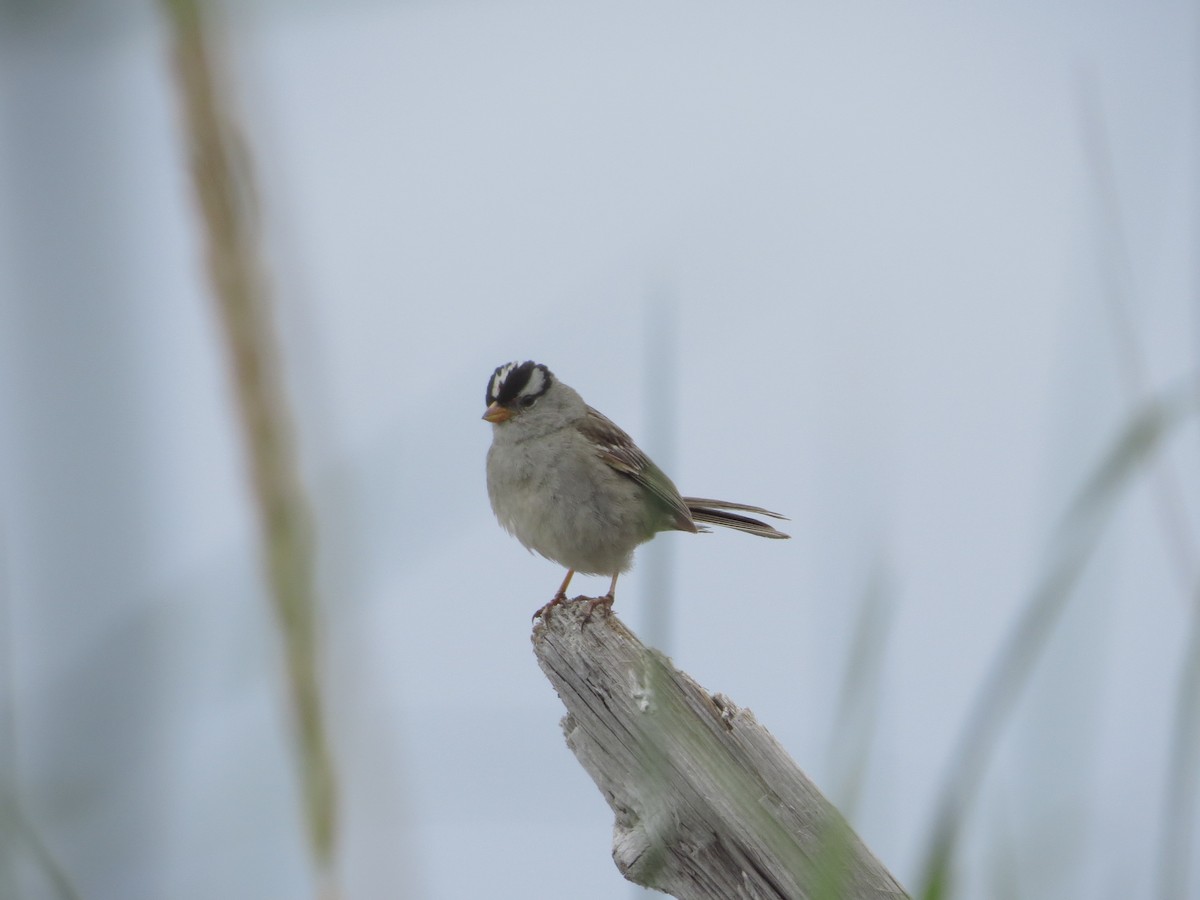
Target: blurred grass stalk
<point x="860" y="695"/>
<point x="21" y="835"/>
<point x="223" y="186"/>
<point x="1142" y="437"/>
<point x="1179" y="818"/>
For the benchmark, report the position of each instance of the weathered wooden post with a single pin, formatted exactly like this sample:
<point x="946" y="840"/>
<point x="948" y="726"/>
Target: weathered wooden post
<point x="708" y="806"/>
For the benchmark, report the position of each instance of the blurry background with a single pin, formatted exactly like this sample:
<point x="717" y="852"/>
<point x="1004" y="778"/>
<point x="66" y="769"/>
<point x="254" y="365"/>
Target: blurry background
<point x="903" y="272"/>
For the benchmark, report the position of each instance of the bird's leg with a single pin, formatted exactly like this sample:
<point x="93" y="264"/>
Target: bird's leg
<point x="606" y="601"/>
<point x="557" y="599"/>
<point x="561" y="596"/>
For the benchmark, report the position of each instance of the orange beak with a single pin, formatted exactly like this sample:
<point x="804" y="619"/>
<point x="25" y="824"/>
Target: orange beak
<point x="497" y="414"/>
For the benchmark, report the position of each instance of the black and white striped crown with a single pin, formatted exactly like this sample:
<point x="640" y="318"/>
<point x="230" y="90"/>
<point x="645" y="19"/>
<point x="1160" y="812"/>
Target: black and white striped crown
<point x="525" y="381"/>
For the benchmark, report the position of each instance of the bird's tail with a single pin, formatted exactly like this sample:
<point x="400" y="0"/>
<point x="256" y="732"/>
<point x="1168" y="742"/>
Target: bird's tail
<point x="719" y="512"/>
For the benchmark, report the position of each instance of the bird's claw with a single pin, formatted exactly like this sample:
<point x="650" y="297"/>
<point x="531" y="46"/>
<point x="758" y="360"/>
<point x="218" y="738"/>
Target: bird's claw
<point x="544" y="612"/>
<point x="606" y="601"/>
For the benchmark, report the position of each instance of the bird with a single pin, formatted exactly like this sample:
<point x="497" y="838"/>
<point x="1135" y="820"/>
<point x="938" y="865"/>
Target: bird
<point x="572" y="486"/>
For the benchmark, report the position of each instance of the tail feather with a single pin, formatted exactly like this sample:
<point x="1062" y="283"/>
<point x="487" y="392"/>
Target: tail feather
<point x="719" y="512"/>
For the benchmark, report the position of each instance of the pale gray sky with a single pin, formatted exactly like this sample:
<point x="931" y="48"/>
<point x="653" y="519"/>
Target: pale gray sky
<point x="890" y="255"/>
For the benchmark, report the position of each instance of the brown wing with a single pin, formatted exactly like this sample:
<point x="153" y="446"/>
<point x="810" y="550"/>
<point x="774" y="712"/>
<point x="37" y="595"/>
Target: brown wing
<point x="618" y="450"/>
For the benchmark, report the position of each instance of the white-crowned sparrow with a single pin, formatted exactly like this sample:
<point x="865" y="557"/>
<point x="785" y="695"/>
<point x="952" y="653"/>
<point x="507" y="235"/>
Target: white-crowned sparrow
<point x="575" y="488"/>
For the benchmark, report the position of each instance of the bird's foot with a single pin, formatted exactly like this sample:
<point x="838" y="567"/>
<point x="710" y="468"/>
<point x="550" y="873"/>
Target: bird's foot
<point x="606" y="602"/>
<point x="544" y="613"/>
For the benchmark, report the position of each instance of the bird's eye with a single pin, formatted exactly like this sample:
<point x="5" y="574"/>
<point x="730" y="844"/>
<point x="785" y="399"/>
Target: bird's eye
<point x="528" y="401"/>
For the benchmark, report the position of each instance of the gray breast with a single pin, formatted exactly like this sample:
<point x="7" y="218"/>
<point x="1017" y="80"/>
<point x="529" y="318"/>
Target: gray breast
<point x="563" y="502"/>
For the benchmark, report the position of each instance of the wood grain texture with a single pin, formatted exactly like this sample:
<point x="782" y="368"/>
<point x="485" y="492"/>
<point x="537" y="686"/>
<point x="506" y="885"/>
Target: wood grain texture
<point x="708" y="805"/>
